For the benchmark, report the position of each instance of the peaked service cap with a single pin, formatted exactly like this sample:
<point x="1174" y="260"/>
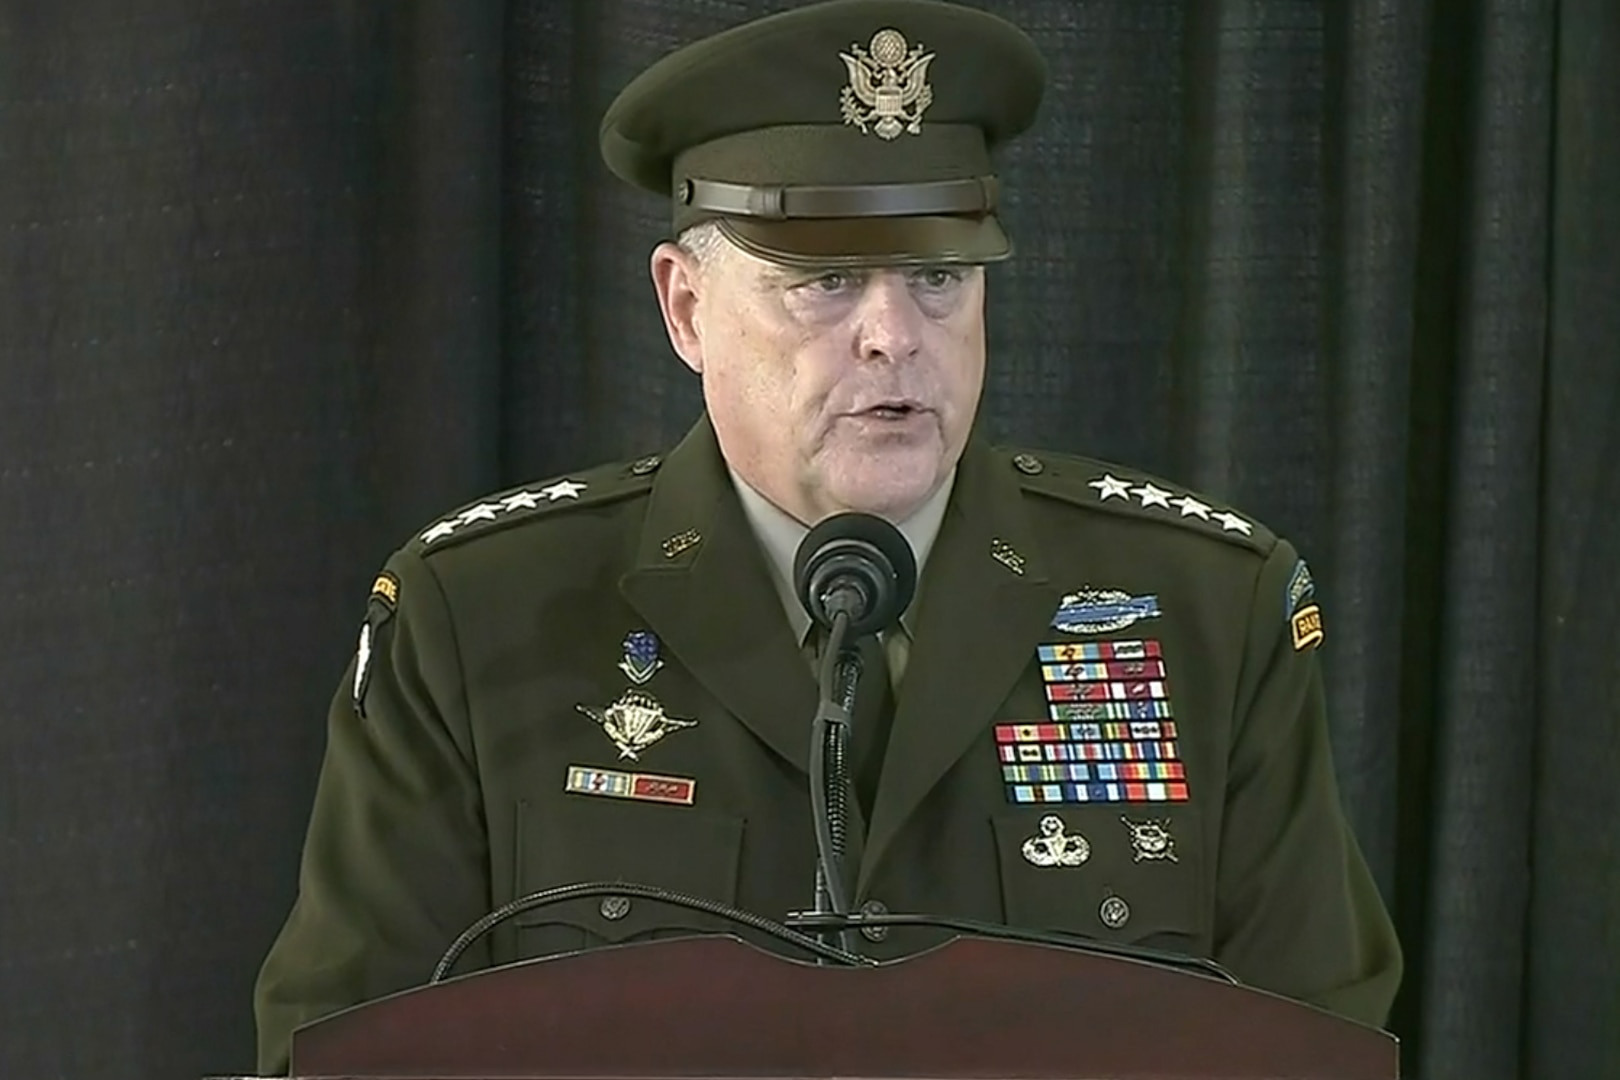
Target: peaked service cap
<point x="840" y="132"/>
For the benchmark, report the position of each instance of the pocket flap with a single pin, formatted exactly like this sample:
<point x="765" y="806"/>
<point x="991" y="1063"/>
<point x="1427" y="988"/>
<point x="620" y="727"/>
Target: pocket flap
<point x="1118" y="873"/>
<point x="679" y="849"/>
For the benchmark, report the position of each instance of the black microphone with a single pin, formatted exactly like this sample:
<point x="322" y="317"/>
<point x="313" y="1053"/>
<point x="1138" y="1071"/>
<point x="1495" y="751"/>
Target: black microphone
<point x="855" y="574"/>
<point x="858" y="565"/>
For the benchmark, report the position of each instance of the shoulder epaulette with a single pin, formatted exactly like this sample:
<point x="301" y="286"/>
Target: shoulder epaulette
<point x="1109" y="488"/>
<point x="516" y="506"/>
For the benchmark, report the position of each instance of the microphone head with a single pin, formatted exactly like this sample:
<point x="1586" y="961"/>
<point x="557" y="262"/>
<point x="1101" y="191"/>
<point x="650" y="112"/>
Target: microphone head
<point x="861" y="563"/>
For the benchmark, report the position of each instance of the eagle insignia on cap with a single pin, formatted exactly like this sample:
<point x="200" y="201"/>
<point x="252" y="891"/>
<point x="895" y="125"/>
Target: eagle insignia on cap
<point x="890" y="79"/>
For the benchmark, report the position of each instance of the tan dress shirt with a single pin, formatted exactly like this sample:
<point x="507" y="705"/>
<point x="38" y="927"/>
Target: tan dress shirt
<point x="779" y="534"/>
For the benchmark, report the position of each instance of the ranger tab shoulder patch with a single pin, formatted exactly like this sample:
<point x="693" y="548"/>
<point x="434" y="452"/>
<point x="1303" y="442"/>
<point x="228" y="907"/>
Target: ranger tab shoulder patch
<point x="502" y="510"/>
<point x="1304" y="614"/>
<point x="1116" y="489"/>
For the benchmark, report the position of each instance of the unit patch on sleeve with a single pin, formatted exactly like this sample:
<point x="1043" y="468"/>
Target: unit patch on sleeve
<point x="1110" y="736"/>
<point x="1307" y="625"/>
<point x="386" y="589"/>
<point x="1304" y="616"/>
<point x="380" y="607"/>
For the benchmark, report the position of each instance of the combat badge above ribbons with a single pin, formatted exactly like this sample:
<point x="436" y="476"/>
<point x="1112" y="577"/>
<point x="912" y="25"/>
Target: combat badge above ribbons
<point x="1304" y="616"/>
<point x="1110" y="736"/>
<point x="635" y="722"/>
<point x="1103" y="611"/>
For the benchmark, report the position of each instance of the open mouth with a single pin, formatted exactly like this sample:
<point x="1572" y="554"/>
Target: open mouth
<point x="891" y="411"/>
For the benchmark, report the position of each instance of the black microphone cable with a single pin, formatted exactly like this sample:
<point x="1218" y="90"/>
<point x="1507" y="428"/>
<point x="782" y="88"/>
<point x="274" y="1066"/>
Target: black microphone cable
<point x="564" y="893"/>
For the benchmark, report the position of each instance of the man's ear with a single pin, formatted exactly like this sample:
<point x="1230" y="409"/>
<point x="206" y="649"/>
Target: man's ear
<point x="677" y="279"/>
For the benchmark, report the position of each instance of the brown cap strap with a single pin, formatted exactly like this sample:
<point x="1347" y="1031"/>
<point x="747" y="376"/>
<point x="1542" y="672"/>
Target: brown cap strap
<point x="975" y="195"/>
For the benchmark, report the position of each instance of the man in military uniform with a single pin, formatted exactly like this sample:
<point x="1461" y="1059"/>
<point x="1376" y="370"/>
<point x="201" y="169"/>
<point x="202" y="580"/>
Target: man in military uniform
<point x="1102" y="715"/>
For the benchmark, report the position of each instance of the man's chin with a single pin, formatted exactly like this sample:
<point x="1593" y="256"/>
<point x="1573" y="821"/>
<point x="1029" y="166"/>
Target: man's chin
<point x="894" y="493"/>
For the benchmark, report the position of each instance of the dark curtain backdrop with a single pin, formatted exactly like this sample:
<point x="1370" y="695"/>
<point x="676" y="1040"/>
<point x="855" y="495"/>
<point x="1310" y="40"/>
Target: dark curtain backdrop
<point x="283" y="279"/>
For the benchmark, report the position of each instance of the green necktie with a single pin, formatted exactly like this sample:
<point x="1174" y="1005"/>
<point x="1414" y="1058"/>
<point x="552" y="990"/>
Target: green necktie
<point x="874" y="715"/>
<point x="874" y="706"/>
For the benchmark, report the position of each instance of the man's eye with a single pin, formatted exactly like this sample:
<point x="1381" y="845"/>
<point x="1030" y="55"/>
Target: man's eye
<point x="834" y="281"/>
<point x="939" y="277"/>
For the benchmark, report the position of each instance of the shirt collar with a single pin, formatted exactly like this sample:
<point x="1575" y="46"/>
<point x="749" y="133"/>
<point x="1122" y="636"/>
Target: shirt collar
<point x="779" y="535"/>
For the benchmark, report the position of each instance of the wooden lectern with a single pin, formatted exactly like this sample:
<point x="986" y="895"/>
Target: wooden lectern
<point x="718" y="1007"/>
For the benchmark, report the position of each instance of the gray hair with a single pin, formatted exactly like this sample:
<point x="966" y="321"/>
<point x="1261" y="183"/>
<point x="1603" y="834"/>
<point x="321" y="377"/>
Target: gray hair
<point x="703" y="242"/>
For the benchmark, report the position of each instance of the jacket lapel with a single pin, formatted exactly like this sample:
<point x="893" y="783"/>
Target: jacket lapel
<point x="978" y="621"/>
<point x="711" y="600"/>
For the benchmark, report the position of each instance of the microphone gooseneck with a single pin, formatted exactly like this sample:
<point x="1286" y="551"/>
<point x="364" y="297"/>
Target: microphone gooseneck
<point x="829" y="769"/>
<point x="855" y="575"/>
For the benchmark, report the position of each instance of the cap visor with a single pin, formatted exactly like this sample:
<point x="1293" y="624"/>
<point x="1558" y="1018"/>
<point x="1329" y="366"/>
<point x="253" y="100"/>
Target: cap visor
<point x="871" y="241"/>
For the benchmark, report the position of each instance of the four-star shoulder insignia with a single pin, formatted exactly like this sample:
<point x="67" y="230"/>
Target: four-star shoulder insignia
<point x="1111" y="487"/>
<point x="1191" y="507"/>
<point x="495" y="512"/>
<point x="503" y="507"/>
<point x="1119" y="490"/>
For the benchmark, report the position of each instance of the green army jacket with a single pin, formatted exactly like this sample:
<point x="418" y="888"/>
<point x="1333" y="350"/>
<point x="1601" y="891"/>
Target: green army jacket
<point x="620" y="624"/>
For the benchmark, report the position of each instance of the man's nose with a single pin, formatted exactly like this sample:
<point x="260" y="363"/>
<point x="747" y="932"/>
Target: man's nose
<point x="890" y="326"/>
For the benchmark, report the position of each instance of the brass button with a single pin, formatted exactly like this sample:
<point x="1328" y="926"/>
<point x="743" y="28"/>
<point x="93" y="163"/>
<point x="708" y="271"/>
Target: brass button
<point x="614" y="908"/>
<point x="1029" y="464"/>
<point x="1114" y="913"/>
<point x="874" y="933"/>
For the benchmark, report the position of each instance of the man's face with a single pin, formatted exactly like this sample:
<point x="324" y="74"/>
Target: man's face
<point x="834" y="390"/>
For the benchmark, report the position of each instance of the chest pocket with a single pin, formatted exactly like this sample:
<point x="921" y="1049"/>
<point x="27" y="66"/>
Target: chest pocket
<point x="1126" y="874"/>
<point x="576" y="841"/>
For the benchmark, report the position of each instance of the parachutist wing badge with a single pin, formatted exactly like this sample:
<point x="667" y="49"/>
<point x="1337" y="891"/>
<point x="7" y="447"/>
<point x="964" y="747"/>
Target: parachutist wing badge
<point x="635" y="722"/>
